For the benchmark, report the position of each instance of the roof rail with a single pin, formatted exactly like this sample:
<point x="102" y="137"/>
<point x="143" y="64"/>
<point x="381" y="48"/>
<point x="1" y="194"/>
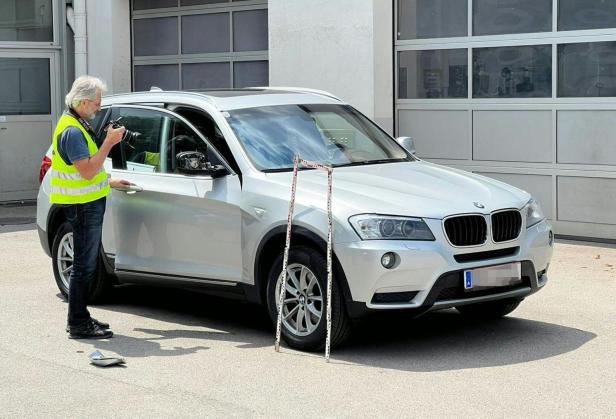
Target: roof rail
<point x="301" y="90"/>
<point x="154" y="93"/>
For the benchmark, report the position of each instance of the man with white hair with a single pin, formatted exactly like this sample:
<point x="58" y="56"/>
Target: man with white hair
<point x="80" y="184"/>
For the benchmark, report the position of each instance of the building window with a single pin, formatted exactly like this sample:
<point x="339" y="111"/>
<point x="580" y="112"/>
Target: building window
<point x="420" y="19"/>
<point x="157" y="36"/>
<point x="26" y="21"/>
<point x="24" y="86"/>
<point x="250" y="30"/>
<point x="496" y="17"/>
<point x="586" y="14"/>
<point x="250" y="73"/>
<point x="165" y="76"/>
<point x="153" y="4"/>
<point x="587" y="69"/>
<point x="206" y="76"/>
<point x="202" y="34"/>
<point x="433" y="74"/>
<point x="512" y="72"/>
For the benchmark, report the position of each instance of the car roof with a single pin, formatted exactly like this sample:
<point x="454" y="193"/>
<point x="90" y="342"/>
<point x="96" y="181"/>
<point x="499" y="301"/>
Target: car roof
<point x="229" y="99"/>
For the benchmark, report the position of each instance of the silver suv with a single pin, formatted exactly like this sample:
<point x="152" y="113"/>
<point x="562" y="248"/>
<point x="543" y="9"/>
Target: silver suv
<point x="212" y="174"/>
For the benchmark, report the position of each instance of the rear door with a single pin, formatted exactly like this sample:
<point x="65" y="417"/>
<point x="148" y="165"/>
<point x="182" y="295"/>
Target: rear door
<point x="180" y="226"/>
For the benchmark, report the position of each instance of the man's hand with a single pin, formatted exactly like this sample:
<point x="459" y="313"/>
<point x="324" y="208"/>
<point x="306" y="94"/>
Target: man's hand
<point x="114" y="135"/>
<point x="119" y="183"/>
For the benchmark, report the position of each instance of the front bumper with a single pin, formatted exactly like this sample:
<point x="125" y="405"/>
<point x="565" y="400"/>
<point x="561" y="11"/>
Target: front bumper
<point x="424" y="269"/>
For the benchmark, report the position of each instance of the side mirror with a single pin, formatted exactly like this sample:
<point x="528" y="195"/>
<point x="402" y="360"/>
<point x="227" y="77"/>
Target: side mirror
<point x="195" y="163"/>
<point x="407" y="143"/>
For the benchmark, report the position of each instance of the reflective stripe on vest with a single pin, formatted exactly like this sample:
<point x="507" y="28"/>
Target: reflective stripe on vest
<point x="67" y="185"/>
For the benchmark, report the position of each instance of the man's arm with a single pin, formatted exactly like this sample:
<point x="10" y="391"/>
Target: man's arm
<point x="89" y="167"/>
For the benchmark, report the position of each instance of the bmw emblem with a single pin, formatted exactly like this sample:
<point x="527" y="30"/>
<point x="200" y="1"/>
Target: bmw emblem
<point x="478" y="205"/>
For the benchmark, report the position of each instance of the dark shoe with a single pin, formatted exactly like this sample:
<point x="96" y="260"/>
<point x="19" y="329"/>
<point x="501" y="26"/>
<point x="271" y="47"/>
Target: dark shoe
<point x="100" y="324"/>
<point x="89" y="331"/>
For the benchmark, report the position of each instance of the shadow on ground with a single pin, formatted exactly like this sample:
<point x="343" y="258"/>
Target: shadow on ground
<point x="439" y="341"/>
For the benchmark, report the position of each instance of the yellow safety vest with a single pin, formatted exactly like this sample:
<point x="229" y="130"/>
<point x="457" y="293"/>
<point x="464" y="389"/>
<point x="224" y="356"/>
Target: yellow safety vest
<point x="67" y="185"/>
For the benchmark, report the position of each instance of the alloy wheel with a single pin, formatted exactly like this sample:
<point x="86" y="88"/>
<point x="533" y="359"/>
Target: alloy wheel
<point x="302" y="308"/>
<point x="65" y="258"/>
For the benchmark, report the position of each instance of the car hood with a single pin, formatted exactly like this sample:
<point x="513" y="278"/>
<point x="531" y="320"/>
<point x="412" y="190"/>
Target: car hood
<point x="417" y="188"/>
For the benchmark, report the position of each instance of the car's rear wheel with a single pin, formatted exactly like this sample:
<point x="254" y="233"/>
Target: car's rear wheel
<point x="62" y="259"/>
<point x="490" y="309"/>
<point x="305" y="304"/>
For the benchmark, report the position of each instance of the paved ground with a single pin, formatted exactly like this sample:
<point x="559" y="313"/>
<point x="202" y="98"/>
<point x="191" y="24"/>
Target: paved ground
<point x="190" y="355"/>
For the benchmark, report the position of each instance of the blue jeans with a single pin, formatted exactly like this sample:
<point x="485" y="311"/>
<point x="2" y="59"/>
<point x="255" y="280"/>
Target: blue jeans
<point x="87" y="222"/>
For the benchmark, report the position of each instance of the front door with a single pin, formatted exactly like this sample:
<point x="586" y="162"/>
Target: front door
<point x="179" y="225"/>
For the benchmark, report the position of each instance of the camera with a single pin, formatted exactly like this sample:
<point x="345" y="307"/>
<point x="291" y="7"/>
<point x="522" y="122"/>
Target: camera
<point x="129" y="136"/>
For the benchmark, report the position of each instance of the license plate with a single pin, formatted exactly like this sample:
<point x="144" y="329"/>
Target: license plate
<point x="493" y="276"/>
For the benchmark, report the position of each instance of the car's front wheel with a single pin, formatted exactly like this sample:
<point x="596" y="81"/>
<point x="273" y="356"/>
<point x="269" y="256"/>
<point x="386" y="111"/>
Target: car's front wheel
<point x="305" y="304"/>
<point x="490" y="309"/>
<point x="62" y="259"/>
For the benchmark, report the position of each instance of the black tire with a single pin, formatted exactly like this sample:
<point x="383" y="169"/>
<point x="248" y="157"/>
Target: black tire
<point x="100" y="286"/>
<point x="489" y="310"/>
<point x="341" y="325"/>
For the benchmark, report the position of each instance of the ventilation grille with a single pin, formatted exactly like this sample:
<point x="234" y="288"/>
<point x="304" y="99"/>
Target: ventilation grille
<point x="506" y="225"/>
<point x="466" y="230"/>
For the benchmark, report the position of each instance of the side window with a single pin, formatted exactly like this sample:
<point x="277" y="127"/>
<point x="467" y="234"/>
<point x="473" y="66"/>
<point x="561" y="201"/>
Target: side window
<point x="209" y="129"/>
<point x="181" y="138"/>
<point x="142" y="146"/>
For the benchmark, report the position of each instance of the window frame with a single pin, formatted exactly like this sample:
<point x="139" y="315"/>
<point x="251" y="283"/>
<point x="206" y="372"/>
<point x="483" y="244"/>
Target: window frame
<point x="123" y="162"/>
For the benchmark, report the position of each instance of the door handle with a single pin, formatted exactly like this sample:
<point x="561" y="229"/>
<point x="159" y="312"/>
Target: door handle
<point x="130" y="189"/>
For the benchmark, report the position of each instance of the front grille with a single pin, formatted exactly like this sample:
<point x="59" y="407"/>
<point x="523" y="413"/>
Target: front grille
<point x="466" y="230"/>
<point x="491" y="254"/>
<point x="393" y="297"/>
<point x="506" y="225"/>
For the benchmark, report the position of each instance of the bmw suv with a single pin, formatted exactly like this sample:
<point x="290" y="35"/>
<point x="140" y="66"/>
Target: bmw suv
<point x="212" y="174"/>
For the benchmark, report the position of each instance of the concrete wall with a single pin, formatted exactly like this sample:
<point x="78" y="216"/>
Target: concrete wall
<point x="109" y="43"/>
<point x="342" y="46"/>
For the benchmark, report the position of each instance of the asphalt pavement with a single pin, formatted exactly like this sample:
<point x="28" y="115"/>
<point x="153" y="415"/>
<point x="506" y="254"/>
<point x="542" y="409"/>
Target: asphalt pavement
<point x="191" y="355"/>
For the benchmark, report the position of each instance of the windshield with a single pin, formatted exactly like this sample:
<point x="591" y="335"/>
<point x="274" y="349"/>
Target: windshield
<point x="335" y="135"/>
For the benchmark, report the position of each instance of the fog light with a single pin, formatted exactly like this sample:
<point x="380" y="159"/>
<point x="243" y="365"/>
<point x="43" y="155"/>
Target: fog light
<point x="551" y="238"/>
<point x="388" y="260"/>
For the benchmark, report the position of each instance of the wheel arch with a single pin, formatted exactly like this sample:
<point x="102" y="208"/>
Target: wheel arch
<point x="272" y="245"/>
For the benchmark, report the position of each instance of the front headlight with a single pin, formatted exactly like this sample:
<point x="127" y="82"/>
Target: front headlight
<point x="387" y="227"/>
<point x="534" y="214"/>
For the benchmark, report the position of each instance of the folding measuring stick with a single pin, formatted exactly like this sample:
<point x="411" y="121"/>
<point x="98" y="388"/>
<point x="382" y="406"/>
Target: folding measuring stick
<point x="283" y="275"/>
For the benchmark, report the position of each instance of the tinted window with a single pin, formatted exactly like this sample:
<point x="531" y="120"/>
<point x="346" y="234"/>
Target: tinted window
<point x="155" y="36"/>
<point x="587" y="69"/>
<point x="586" y="14"/>
<point x="512" y="72"/>
<point x="24" y="86"/>
<point x="494" y="17"/>
<point x="439" y="73"/>
<point x="250" y="73"/>
<point x="206" y="75"/>
<point x="250" y="30"/>
<point x="419" y="19"/>
<point x="206" y="33"/>
<point x="165" y="76"/>
<point x="26" y="20"/>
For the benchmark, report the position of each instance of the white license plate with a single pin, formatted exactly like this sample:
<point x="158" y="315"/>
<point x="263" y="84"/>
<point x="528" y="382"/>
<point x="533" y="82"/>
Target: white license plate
<point x="493" y="276"/>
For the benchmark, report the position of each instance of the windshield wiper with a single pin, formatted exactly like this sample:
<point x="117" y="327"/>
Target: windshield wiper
<point x="367" y="162"/>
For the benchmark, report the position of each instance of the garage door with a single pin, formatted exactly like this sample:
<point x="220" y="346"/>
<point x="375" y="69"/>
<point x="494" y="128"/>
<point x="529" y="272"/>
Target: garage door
<point x="199" y="44"/>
